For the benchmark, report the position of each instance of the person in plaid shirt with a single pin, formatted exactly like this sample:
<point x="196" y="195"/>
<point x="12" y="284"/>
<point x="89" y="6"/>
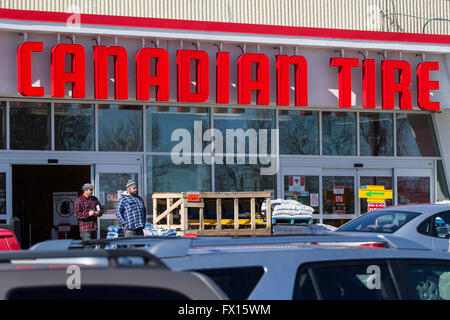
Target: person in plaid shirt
<point x="87" y="209"/>
<point x="131" y="212"/>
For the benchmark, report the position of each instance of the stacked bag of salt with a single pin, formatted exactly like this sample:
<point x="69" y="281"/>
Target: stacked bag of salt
<point x="288" y="209"/>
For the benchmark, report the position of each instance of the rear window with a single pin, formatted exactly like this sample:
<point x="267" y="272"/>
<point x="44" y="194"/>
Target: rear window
<point x="379" y="222"/>
<point x="90" y="292"/>
<point x="429" y="280"/>
<point x="356" y="280"/>
<point x="237" y="282"/>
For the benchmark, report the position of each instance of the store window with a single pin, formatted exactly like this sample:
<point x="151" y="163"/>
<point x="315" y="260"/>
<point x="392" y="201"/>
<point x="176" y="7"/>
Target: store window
<point x="376" y="134"/>
<point x="338" y="195"/>
<point x="2" y="125"/>
<point x="304" y="189"/>
<point x="243" y="177"/>
<point x="385" y="182"/>
<point x="339" y="133"/>
<point x="163" y="175"/>
<point x="162" y="123"/>
<point x="299" y="132"/>
<point x="120" y="128"/>
<point x="74" y="127"/>
<point x="247" y="124"/>
<point x="416" y="136"/>
<point x="30" y="125"/>
<point x="412" y="190"/>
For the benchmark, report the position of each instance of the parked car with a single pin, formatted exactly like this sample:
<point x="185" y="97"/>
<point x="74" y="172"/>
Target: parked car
<point x="42" y="275"/>
<point x="307" y="267"/>
<point x="428" y="225"/>
<point x="8" y="240"/>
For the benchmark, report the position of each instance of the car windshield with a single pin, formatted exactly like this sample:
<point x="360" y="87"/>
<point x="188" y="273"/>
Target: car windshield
<point x="380" y="222"/>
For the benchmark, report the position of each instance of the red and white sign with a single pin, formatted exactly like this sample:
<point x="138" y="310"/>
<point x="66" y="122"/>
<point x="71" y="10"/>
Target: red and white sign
<point x="112" y="197"/>
<point x="372" y="206"/>
<point x="339" y="198"/>
<point x="296" y="183"/>
<point x="63" y="208"/>
<point x="338" y="190"/>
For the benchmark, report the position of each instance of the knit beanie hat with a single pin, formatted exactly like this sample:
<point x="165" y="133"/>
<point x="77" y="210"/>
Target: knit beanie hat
<point x="131" y="184"/>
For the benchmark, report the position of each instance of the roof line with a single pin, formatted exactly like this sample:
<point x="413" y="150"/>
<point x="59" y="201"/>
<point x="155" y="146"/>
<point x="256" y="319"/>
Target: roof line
<point x="227" y="27"/>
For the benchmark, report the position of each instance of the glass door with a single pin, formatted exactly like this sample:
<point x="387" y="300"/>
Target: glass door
<point x="302" y="185"/>
<point x="110" y="183"/>
<point x="374" y="177"/>
<point x="339" y="195"/>
<point x="414" y="186"/>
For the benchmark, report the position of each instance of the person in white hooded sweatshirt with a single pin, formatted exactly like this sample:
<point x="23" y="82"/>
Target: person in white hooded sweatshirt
<point x="131" y="212"/>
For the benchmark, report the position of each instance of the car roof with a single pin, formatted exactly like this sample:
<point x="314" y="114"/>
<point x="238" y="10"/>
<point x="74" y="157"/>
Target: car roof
<point x="176" y="246"/>
<point x="419" y="208"/>
<point x="192" y="285"/>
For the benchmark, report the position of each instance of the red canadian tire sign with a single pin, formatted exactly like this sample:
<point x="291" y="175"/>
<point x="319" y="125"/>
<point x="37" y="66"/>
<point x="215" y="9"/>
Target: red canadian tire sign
<point x="254" y="74"/>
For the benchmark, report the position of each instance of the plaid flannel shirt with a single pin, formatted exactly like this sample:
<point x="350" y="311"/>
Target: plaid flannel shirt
<point x="131" y="212"/>
<point x="82" y="207"/>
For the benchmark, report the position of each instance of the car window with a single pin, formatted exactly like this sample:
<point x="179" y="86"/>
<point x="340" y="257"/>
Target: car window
<point x="379" y="222"/>
<point x="429" y="281"/>
<point x="359" y="280"/>
<point x="236" y="282"/>
<point x="441" y="226"/>
<point x="424" y="227"/>
<point x="94" y="292"/>
<point x="304" y="287"/>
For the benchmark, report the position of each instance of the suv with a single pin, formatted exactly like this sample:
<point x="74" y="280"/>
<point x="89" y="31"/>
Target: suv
<point x="60" y="275"/>
<point x="330" y="267"/>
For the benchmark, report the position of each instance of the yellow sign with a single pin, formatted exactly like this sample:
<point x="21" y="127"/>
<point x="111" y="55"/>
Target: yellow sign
<point x="375" y="193"/>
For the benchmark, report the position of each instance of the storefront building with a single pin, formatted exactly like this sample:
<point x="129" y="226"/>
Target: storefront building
<point x="207" y="106"/>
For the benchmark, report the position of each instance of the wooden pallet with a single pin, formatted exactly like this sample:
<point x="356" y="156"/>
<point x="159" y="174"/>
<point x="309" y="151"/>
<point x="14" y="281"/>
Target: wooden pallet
<point x="168" y="205"/>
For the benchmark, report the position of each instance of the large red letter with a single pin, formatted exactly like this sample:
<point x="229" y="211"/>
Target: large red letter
<point x="390" y="86"/>
<point x="424" y="85"/>
<point x="160" y="80"/>
<point x="60" y="76"/>
<point x="223" y="77"/>
<point x="369" y="84"/>
<point x="345" y="79"/>
<point x="24" y="69"/>
<point x="101" y="54"/>
<point x="245" y="82"/>
<point x="301" y="80"/>
<point x="201" y="59"/>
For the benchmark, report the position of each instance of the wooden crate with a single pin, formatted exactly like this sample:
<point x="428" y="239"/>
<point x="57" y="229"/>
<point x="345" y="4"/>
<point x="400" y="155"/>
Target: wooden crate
<point x="175" y="206"/>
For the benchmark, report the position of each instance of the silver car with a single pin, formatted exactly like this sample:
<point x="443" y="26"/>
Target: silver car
<point x="428" y="225"/>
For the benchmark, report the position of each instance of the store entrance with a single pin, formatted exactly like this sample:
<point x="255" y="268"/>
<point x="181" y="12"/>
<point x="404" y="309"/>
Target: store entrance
<point x="36" y="188"/>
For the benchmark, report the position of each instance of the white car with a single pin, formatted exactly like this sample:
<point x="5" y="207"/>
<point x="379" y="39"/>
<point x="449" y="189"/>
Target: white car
<point x="428" y="225"/>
